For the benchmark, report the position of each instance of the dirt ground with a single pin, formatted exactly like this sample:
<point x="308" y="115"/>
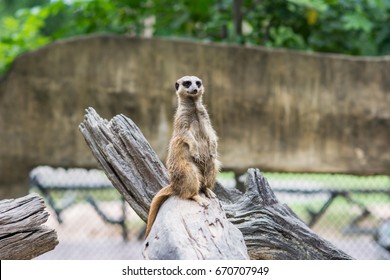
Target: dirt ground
<point x="85" y="235"/>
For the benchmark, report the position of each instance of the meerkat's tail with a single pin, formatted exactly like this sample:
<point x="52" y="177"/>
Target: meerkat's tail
<point x="157" y="201"/>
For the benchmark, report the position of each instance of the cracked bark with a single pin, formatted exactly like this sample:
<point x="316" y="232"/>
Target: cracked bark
<point x="22" y="233"/>
<point x="185" y="230"/>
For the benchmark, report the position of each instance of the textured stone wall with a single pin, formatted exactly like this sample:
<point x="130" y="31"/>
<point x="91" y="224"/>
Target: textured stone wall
<point x="272" y="109"/>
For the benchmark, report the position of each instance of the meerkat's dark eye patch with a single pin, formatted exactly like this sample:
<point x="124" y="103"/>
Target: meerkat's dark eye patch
<point x="198" y="83"/>
<point x="187" y="84"/>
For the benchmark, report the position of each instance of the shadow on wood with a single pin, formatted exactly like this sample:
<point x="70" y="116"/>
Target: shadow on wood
<point x="22" y="233"/>
<point x="270" y="229"/>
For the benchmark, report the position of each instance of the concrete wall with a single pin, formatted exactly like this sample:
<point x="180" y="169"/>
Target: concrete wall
<point x="272" y="109"/>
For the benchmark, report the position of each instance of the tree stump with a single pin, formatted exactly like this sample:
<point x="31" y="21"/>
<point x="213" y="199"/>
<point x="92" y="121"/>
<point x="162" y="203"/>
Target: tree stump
<point x="22" y="233"/>
<point x="270" y="229"/>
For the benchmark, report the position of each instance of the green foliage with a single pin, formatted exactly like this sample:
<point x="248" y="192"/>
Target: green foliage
<point x="21" y="33"/>
<point x="355" y="27"/>
<point x="358" y="27"/>
<point x="118" y="16"/>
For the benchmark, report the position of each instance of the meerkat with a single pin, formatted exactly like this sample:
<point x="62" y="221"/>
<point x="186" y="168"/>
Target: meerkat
<point x="192" y="160"/>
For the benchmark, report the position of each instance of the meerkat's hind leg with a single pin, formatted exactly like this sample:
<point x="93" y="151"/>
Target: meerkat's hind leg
<point x="200" y="200"/>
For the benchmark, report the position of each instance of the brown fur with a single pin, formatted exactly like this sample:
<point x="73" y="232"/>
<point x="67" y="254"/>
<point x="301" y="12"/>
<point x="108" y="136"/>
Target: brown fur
<point x="192" y="157"/>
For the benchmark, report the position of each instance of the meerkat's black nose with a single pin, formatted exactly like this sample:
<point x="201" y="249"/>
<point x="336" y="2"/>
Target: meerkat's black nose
<point x="195" y="90"/>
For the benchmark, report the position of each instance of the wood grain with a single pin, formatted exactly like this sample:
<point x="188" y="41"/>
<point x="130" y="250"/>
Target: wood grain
<point x="22" y="233"/>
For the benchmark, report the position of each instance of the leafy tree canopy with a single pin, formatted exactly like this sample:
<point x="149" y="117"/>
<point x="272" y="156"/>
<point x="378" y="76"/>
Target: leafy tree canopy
<point x="354" y="27"/>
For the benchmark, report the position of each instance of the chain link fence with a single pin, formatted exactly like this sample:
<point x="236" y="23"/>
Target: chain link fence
<point x="352" y="212"/>
<point x="94" y="222"/>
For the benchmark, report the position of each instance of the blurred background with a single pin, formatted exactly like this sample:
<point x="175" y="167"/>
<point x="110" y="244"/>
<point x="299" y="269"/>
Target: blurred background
<point x="298" y="88"/>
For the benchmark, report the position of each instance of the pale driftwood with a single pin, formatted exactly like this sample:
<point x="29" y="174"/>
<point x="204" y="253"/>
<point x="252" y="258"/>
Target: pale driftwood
<point x="271" y="230"/>
<point x="186" y="230"/>
<point x="127" y="158"/>
<point x="22" y="233"/>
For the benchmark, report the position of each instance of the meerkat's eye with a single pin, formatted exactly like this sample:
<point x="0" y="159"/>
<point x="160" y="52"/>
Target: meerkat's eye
<point x="187" y="84"/>
<point x="198" y="83"/>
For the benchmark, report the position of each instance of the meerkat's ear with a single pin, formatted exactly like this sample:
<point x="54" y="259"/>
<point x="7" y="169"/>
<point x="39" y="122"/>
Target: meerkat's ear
<point x="177" y="85"/>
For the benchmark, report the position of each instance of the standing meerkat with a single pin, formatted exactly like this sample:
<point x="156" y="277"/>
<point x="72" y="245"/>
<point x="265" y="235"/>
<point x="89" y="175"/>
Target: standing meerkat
<point x="192" y="160"/>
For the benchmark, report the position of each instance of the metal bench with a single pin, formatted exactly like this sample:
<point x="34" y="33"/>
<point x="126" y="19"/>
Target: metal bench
<point x="70" y="183"/>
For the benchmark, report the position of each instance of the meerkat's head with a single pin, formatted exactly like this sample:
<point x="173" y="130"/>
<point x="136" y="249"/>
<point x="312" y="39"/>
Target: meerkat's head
<point x="189" y="86"/>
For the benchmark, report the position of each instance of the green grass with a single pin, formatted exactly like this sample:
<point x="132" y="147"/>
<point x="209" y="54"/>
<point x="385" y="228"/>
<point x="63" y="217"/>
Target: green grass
<point x="343" y="181"/>
<point x="229" y="175"/>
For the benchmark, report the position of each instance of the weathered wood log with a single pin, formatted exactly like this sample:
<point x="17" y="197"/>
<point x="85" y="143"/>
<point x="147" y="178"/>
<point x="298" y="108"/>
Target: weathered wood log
<point x="271" y="230"/>
<point x="194" y="232"/>
<point x="22" y="233"/>
<point x="127" y="158"/>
